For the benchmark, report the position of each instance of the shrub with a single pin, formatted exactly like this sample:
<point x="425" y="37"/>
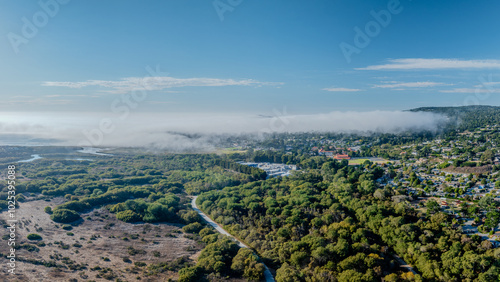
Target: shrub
<point x="28" y="247"/>
<point x="128" y="216"/>
<point x="192" y="227"/>
<point x="133" y="252"/>
<point x="157" y="212"/>
<point x="191" y="274"/>
<point x="3" y="204"/>
<point x="75" y="206"/>
<point x="48" y="210"/>
<point x="206" y="231"/>
<point x="64" y="216"/>
<point x="34" y="236"/>
<point x="127" y="260"/>
<point x="190" y="217"/>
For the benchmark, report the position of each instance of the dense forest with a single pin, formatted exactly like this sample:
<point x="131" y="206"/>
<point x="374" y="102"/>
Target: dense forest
<point x="334" y="225"/>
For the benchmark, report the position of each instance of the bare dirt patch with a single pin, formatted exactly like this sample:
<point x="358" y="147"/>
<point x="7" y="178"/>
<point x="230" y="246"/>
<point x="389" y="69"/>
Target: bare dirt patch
<point x="100" y="248"/>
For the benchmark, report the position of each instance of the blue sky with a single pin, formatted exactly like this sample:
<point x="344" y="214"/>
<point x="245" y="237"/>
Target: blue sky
<point x="254" y="57"/>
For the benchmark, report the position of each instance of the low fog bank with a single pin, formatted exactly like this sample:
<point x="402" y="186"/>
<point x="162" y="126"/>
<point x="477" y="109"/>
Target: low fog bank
<point x="195" y="132"/>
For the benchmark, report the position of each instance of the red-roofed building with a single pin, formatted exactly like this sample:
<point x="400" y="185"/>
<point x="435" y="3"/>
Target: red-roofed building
<point x="342" y="157"/>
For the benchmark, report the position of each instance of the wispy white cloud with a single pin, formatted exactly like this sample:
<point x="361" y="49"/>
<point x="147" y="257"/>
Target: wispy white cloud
<point x="489" y="83"/>
<point x="398" y="85"/>
<point x="156" y="83"/>
<point x="420" y="63"/>
<point x="472" y="90"/>
<point x="340" y="89"/>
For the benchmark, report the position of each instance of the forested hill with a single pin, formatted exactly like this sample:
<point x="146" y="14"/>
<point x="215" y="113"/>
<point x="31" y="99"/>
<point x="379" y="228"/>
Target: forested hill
<point x="466" y="117"/>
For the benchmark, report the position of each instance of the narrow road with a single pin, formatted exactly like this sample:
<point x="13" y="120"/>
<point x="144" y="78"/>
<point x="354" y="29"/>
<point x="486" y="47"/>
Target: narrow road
<point x="267" y="274"/>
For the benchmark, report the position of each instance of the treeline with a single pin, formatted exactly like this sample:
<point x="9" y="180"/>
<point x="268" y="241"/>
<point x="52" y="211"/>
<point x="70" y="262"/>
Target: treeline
<point x="167" y="173"/>
<point x="303" y="161"/>
<point x="213" y="178"/>
<point x="273" y="157"/>
<point x="256" y="173"/>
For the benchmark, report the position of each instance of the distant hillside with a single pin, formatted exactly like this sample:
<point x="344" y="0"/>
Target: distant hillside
<point x="466" y="117"/>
